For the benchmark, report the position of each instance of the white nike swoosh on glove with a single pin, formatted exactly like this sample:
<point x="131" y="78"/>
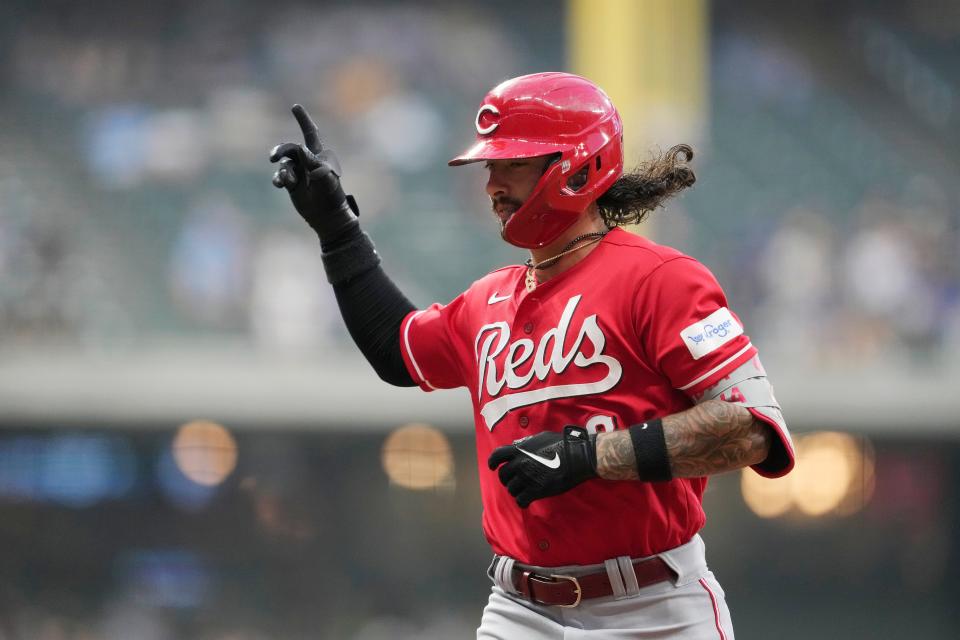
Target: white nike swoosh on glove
<point x="553" y="463"/>
<point x="494" y="298"/>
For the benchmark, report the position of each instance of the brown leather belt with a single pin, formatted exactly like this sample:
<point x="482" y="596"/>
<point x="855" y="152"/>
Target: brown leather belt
<point x="568" y="591"/>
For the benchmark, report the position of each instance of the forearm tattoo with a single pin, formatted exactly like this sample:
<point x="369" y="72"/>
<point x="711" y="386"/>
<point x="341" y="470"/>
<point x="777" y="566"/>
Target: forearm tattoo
<point x="712" y="437"/>
<point x="615" y="457"/>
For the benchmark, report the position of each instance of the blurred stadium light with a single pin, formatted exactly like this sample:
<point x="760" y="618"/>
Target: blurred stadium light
<point x="834" y="476"/>
<point x="418" y="456"/>
<point x="205" y="452"/>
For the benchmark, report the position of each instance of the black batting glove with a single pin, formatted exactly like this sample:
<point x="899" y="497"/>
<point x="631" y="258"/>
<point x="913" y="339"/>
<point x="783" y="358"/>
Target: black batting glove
<point x="546" y="464"/>
<point x="311" y="175"/>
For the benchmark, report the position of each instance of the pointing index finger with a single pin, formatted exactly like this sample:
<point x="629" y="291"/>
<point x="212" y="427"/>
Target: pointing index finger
<point x="311" y="136"/>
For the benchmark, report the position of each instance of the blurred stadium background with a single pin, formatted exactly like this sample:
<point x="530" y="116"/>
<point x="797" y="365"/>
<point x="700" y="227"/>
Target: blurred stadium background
<point x="190" y="446"/>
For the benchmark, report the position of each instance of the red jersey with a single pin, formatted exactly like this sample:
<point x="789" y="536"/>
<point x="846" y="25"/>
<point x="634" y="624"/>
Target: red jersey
<point x="630" y="333"/>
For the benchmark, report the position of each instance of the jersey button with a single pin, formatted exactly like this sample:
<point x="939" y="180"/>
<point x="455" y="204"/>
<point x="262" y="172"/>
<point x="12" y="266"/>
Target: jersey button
<point x="528" y="328"/>
<point x="543" y="545"/>
<point x="524" y="421"/>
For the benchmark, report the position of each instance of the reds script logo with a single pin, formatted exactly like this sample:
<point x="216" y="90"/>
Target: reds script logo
<point x="553" y="353"/>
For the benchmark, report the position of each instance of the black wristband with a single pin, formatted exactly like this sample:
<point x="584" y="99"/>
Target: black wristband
<point x="650" y="448"/>
<point x="356" y="256"/>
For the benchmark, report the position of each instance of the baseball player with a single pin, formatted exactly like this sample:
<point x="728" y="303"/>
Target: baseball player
<point x="608" y="376"/>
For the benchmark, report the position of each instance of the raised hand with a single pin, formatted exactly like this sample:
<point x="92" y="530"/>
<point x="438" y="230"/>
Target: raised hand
<point x="311" y="175"/>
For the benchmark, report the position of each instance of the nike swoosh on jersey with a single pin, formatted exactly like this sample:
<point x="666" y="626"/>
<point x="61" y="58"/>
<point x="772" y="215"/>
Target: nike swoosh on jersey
<point x="494" y="299"/>
<point x="553" y="463"/>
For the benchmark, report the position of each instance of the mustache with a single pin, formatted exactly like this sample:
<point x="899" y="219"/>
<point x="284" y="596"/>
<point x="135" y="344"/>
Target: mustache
<point x="503" y="201"/>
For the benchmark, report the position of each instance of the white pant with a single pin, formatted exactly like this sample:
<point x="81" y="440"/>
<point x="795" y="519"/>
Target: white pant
<point x="690" y="608"/>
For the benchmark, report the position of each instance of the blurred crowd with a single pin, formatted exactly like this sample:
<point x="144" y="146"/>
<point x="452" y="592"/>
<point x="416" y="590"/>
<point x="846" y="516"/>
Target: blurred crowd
<point x="835" y="233"/>
<point x="135" y="192"/>
<point x="886" y="288"/>
<point x="135" y="203"/>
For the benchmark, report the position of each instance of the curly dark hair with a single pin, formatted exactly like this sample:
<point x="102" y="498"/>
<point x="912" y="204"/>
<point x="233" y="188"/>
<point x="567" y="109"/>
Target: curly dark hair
<point x="637" y="193"/>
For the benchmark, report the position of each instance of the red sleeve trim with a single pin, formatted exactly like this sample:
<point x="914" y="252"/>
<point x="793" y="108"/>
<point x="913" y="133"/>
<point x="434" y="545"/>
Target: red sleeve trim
<point x="781" y="459"/>
<point x="413" y="368"/>
<point x="712" y="376"/>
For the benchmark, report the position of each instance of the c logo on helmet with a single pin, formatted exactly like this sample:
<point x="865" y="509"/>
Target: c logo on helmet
<point x="488" y="108"/>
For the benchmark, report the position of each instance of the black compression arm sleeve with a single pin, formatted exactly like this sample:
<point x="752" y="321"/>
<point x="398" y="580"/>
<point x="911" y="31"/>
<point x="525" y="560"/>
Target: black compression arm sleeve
<point x="371" y="304"/>
<point x="373" y="308"/>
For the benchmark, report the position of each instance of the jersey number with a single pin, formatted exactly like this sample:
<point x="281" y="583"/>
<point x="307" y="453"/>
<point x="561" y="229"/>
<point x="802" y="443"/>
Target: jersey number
<point x="601" y="424"/>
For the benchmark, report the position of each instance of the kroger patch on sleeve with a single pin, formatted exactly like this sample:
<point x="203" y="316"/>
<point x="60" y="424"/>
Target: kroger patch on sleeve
<point x="711" y="333"/>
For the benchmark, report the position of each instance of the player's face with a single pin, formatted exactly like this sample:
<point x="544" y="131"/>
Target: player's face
<point x="511" y="182"/>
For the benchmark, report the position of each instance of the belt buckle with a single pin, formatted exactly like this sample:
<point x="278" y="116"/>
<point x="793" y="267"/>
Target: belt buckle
<point x="576" y="587"/>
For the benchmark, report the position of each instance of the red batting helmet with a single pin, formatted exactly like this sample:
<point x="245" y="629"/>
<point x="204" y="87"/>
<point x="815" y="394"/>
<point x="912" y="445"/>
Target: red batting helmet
<point x="543" y="114"/>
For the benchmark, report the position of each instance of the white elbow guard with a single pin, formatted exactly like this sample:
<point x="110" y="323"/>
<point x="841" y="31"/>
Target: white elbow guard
<point x="748" y="386"/>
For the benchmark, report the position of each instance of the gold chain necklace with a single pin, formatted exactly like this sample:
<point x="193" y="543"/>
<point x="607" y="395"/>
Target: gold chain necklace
<point x="531" y="278"/>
